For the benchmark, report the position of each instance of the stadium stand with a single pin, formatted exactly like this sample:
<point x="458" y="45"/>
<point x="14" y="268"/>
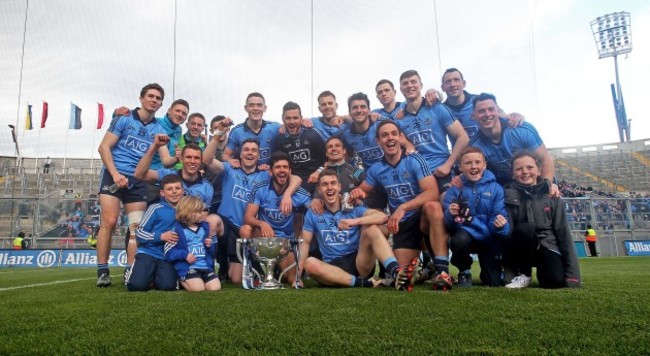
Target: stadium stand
<point x="604" y="185"/>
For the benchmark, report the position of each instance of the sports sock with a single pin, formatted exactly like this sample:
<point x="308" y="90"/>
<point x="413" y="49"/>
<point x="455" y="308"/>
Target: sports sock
<point x="441" y="264"/>
<point x="102" y="268"/>
<point x="353" y="282"/>
<point x="391" y="266"/>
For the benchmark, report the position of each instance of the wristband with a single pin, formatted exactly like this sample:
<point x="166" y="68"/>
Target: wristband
<point x="320" y="169"/>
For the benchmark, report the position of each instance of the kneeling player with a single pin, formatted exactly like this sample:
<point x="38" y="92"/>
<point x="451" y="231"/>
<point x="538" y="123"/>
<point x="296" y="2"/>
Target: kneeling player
<point x="150" y="268"/>
<point x="350" y="242"/>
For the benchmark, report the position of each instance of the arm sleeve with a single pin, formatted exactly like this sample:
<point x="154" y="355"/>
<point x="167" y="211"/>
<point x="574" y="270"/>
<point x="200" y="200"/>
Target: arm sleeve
<point x="565" y="243"/>
<point x="498" y="208"/>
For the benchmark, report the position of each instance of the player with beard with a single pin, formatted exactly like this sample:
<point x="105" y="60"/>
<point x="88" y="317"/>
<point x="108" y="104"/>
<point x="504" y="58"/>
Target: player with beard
<point x="304" y="146"/>
<point x="263" y="216"/>
<point x="238" y="183"/>
<point x="413" y="200"/>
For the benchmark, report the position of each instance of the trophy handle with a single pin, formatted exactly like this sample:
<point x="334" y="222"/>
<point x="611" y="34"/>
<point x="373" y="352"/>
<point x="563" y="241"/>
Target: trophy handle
<point x="295" y="246"/>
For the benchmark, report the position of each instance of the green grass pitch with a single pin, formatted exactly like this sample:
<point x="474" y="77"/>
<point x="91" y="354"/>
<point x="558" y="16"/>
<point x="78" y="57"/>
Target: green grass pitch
<point x="60" y="311"/>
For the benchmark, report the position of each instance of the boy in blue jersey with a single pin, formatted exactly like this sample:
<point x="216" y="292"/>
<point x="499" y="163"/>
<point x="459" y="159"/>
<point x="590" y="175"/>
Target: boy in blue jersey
<point x="192" y="253"/>
<point x="263" y="216"/>
<point x="125" y="142"/>
<point x="476" y="218"/>
<point x="413" y="201"/>
<point x="150" y="268"/>
<point x="254" y="127"/>
<point x="350" y="242"/>
<point x="428" y="127"/>
<point x="193" y="182"/>
<point x="500" y="143"/>
<point x="237" y="186"/>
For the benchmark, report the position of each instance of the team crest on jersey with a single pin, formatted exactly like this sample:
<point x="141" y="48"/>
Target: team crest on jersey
<point x="365" y="142"/>
<point x="427" y="121"/>
<point x="296" y="143"/>
<point x="142" y="132"/>
<point x="335" y="237"/>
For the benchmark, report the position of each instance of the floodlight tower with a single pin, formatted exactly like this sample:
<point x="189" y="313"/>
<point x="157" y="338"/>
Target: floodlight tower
<point x="613" y="36"/>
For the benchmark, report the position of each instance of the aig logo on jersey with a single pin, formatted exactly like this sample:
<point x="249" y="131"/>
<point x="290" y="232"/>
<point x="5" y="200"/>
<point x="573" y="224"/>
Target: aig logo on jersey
<point x="242" y="194"/>
<point x="400" y="190"/>
<point x="275" y="215"/>
<point x="265" y="153"/>
<point x="335" y="237"/>
<point x="421" y="137"/>
<point x="298" y="156"/>
<point x="136" y="144"/>
<point x="372" y="154"/>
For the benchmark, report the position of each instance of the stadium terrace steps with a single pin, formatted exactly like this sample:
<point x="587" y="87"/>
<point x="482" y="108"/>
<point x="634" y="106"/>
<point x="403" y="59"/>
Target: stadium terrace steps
<point x="584" y="173"/>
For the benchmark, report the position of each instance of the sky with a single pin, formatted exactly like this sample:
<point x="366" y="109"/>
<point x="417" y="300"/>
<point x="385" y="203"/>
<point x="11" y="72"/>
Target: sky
<point x="538" y="57"/>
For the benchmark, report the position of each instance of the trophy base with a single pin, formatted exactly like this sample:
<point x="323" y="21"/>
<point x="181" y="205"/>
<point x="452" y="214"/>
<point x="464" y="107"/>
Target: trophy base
<point x="270" y="286"/>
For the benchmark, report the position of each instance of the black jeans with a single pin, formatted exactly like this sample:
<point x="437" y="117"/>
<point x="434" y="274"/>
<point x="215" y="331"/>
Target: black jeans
<point x="523" y="251"/>
<point x="462" y="244"/>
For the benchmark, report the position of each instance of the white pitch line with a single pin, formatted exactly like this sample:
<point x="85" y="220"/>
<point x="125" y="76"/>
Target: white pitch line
<point x="45" y="284"/>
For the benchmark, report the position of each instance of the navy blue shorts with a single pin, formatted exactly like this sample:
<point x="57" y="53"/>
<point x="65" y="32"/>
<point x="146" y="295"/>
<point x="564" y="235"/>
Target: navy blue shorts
<point x="205" y="275"/>
<point x="348" y="263"/>
<point x="409" y="235"/>
<point x="137" y="191"/>
<point x="230" y="236"/>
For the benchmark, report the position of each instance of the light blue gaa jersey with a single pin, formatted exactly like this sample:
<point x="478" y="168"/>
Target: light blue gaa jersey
<point x="200" y="188"/>
<point x="324" y="129"/>
<point x="389" y="115"/>
<point x="195" y="245"/>
<point x="498" y="156"/>
<point x="463" y="113"/>
<point x="158" y="219"/>
<point x="269" y="202"/>
<point x="427" y="130"/>
<point x="364" y="143"/>
<point x="266" y="138"/>
<point x="334" y="243"/>
<point x="134" y="140"/>
<point x="236" y="192"/>
<point x="401" y="182"/>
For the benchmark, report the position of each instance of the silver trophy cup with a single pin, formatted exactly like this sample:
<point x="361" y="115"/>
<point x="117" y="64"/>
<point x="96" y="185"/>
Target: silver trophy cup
<point x="268" y="251"/>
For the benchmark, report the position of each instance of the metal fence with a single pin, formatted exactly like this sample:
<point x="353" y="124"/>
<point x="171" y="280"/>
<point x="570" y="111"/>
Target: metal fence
<point x="59" y="222"/>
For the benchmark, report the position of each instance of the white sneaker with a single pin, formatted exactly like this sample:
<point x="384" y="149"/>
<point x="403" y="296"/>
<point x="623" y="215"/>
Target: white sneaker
<point x="519" y="282"/>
